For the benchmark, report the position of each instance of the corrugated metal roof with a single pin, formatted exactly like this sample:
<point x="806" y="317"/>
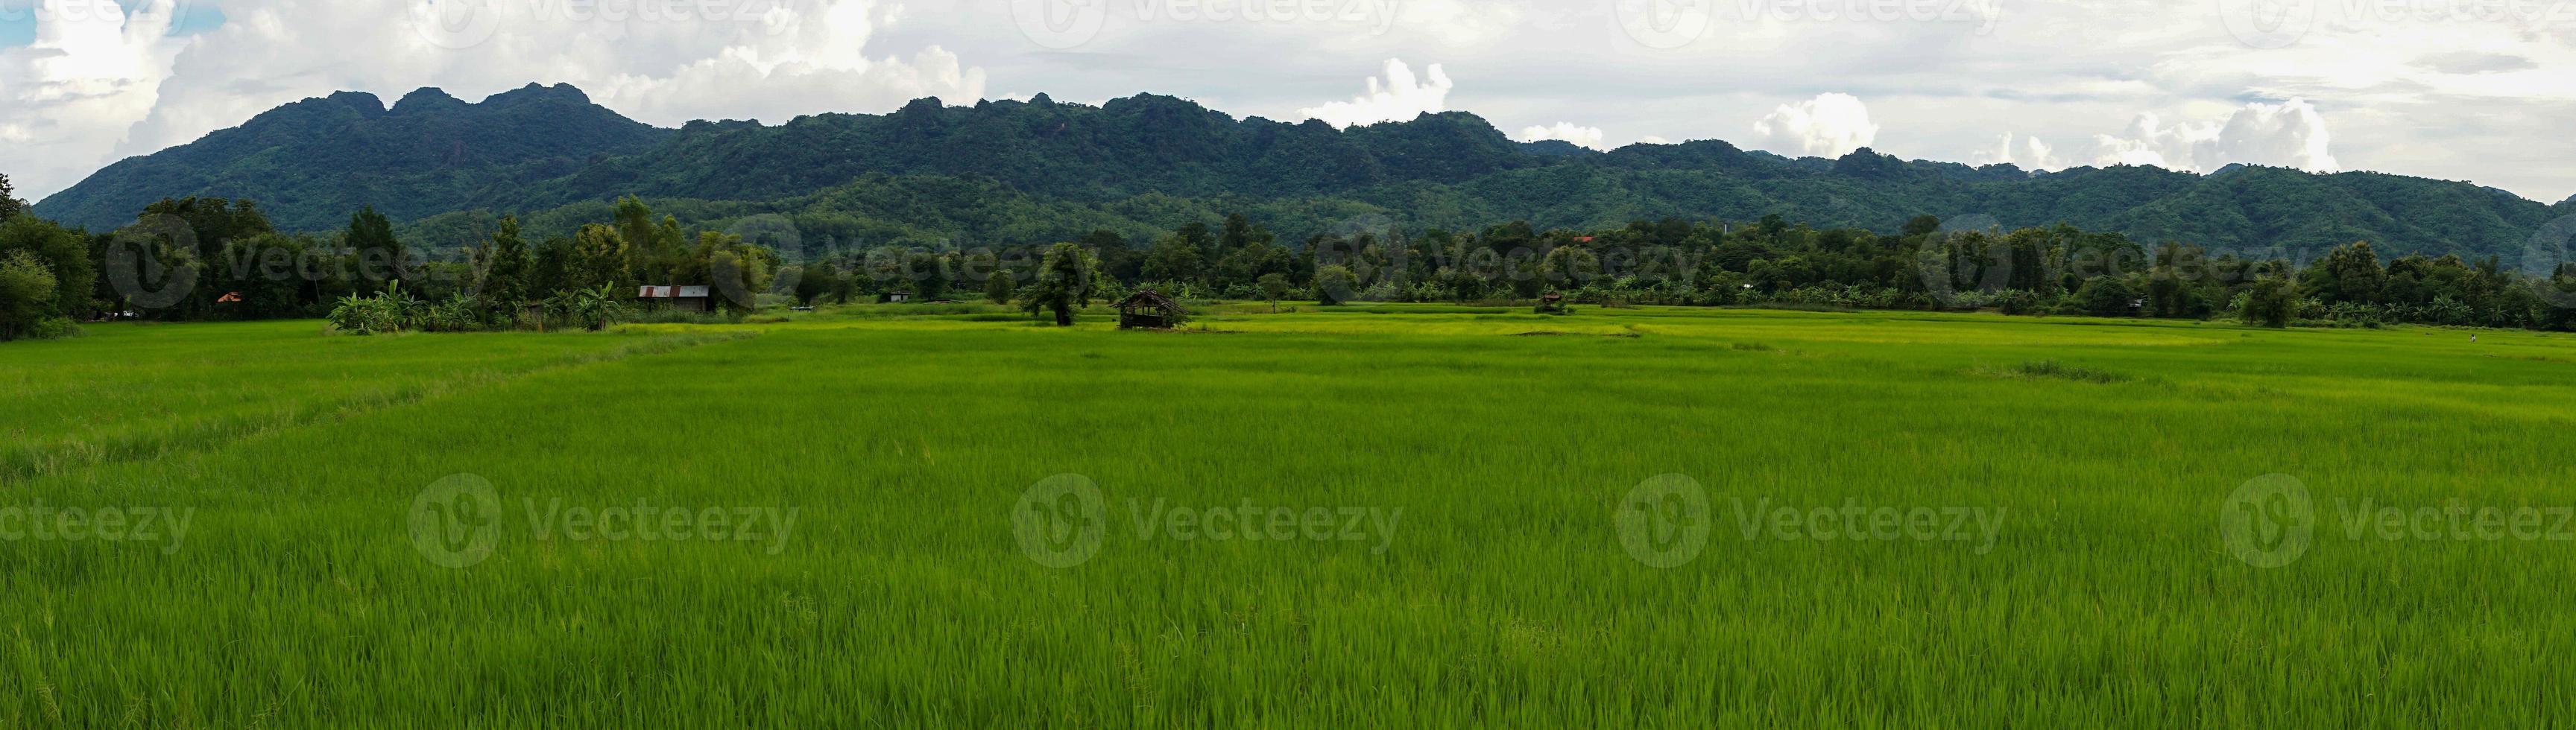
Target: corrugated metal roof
<point x="671" y="292"/>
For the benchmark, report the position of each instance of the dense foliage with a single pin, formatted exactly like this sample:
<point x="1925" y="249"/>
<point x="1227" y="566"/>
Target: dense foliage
<point x="200" y="258"/>
<point x="46" y="276"/>
<point x="1007" y="173"/>
<point x="213" y="259"/>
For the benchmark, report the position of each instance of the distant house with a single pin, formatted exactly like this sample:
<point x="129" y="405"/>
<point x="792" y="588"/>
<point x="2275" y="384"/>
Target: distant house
<point x="1149" y="310"/>
<point x="683" y="298"/>
<point x="1551" y="303"/>
<point x="894" y="297"/>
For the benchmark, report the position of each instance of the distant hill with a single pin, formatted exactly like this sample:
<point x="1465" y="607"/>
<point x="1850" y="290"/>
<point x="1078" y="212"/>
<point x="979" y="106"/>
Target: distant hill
<point x="1028" y="172"/>
<point x="313" y="162"/>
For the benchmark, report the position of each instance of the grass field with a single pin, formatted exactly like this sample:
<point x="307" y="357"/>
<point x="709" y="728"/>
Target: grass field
<point x="902" y="544"/>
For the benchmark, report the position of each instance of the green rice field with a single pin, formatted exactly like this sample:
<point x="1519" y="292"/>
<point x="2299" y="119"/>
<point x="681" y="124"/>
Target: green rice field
<point x="1364" y="516"/>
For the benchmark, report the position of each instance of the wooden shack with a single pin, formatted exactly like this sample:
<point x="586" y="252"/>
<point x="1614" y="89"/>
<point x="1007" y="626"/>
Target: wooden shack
<point x="1551" y="303"/>
<point x="1149" y="310"/>
<point x="683" y="298"/>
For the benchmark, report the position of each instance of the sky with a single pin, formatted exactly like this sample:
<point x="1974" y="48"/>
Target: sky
<point x="2478" y="90"/>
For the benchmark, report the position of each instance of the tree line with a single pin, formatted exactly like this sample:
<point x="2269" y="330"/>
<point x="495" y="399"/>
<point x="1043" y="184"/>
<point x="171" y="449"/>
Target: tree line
<point x="1927" y="265"/>
<point x="216" y="259"/>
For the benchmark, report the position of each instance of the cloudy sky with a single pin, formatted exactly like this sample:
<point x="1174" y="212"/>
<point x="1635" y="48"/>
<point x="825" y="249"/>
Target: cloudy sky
<point x="2479" y="90"/>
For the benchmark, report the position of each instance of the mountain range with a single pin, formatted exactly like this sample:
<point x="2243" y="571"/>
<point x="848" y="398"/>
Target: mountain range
<point x="1004" y="172"/>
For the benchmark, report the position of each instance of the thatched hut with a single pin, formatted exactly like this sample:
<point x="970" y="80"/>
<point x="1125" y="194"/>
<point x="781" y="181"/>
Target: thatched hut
<point x="1149" y="310"/>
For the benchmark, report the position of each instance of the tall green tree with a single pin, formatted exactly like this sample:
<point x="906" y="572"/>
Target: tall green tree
<point x="1334" y="284"/>
<point x="1177" y="257"/>
<point x="600" y="257"/>
<point x="2349" y="274"/>
<point x="813" y="281"/>
<point x="1000" y="285"/>
<point x="65" y="255"/>
<point x="382" y="259"/>
<point x="505" y="281"/>
<point x="10" y="205"/>
<point x="1063" y="284"/>
<point x="1274" y="287"/>
<point x="2270" y="302"/>
<point x="2107" y="296"/>
<point x="27" y="291"/>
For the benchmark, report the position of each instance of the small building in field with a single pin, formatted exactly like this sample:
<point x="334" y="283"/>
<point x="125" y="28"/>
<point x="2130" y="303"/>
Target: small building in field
<point x="683" y="298"/>
<point x="894" y="297"/>
<point x="1149" y="310"/>
<point x="1551" y="303"/>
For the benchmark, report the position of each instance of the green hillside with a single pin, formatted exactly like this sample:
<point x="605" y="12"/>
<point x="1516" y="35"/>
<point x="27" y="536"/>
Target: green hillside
<point x="1011" y="172"/>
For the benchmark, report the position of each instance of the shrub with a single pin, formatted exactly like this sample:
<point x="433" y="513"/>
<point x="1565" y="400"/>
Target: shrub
<point x="2062" y="371"/>
<point x="387" y="312"/>
<point x="2105" y="296"/>
<point x="2017" y="301"/>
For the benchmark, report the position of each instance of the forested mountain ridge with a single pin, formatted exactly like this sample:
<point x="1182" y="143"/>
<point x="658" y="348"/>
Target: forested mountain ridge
<point x="311" y="163"/>
<point x="1011" y="172"/>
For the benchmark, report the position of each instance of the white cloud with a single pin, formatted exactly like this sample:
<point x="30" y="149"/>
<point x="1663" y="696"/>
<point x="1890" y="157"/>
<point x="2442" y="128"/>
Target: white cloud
<point x="2029" y="154"/>
<point x="1399" y="97"/>
<point x="95" y="95"/>
<point x="92" y="69"/>
<point x="1581" y="136"/>
<point x="2289" y="134"/>
<point x="1830" y="125"/>
<point x="2405" y="96"/>
<point x="1456" y="23"/>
